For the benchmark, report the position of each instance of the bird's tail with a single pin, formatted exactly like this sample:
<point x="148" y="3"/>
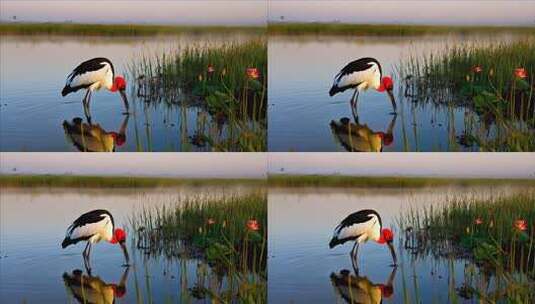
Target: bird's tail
<point x="334" y="89"/>
<point x="66" y="90"/>
<point x="334" y="241"/>
<point x="66" y="242"/>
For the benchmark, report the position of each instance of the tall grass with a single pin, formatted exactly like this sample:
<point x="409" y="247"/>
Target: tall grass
<point x="23" y="181"/>
<point x="346" y="29"/>
<point x="229" y="232"/>
<point x="81" y="29"/>
<point x="483" y="78"/>
<point x="498" y="234"/>
<point x="230" y="81"/>
<point x="281" y="180"/>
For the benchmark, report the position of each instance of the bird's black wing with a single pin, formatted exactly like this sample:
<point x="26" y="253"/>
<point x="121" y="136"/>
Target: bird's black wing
<point x="358" y="217"/>
<point x="91" y="65"/>
<point x="358" y="65"/>
<point x="91" y="217"/>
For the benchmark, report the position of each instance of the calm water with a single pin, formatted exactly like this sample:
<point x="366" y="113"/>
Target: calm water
<point x="303" y="269"/>
<point x="32" y="111"/>
<point x="34" y="267"/>
<point x="301" y="72"/>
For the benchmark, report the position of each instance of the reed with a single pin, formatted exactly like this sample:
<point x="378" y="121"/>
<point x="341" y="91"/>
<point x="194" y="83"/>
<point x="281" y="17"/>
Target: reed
<point x="229" y="81"/>
<point x="346" y="29"/>
<point x="81" y="29"/>
<point x="229" y="232"/>
<point x="73" y="181"/>
<point x="283" y="180"/>
<point x="495" y="81"/>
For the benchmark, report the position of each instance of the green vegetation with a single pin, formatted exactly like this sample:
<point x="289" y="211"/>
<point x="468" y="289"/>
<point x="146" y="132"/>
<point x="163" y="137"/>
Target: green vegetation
<point x="281" y="180"/>
<point x="229" y="232"/>
<point x="230" y="81"/>
<point x="79" y="29"/>
<point x="496" y="233"/>
<point x="385" y="29"/>
<point x="496" y="81"/>
<point x="114" y="181"/>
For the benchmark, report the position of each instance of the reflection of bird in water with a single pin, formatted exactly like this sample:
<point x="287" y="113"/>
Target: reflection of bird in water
<point x="359" y="289"/>
<point x="89" y="289"/>
<point x="93" y="227"/>
<point x="93" y="75"/>
<point x="360" y="75"/>
<point x="356" y="137"/>
<point x="360" y="227"/>
<point x="89" y="137"/>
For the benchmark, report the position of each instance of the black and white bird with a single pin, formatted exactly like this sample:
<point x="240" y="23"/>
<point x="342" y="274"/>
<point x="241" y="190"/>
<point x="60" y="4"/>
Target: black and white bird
<point x="360" y="227"/>
<point x="93" y="75"/>
<point x="362" y="74"/>
<point x="93" y="227"/>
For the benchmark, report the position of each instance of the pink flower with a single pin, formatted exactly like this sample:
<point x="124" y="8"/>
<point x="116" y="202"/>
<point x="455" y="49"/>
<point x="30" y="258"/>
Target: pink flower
<point x="253" y="225"/>
<point x="253" y="73"/>
<point x="521" y="73"/>
<point x="478" y="221"/>
<point x="210" y="69"/>
<point x="477" y="69"/>
<point x="210" y="221"/>
<point x="521" y="225"/>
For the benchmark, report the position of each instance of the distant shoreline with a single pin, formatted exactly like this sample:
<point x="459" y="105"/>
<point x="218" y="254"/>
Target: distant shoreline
<point x="348" y="29"/>
<point x="283" y="180"/>
<point x="83" y="29"/>
<point x="92" y="181"/>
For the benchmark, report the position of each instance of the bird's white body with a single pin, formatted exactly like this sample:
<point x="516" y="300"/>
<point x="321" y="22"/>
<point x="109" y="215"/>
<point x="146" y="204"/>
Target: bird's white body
<point x="361" y="232"/>
<point x="362" y="80"/>
<point x="93" y="232"/>
<point x="94" y="80"/>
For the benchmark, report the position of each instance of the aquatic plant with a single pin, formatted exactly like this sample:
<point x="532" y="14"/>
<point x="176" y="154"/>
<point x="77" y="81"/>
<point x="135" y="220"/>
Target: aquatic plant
<point x="497" y="234"/>
<point x="496" y="81"/>
<point x="229" y="81"/>
<point x="228" y="232"/>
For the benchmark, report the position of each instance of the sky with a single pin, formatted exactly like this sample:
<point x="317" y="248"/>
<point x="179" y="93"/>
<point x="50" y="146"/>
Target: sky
<point x="255" y="165"/>
<point x="194" y="12"/>
<point x="488" y="165"/>
<point x="487" y="12"/>
<point x="255" y="12"/>
<point x="192" y="165"/>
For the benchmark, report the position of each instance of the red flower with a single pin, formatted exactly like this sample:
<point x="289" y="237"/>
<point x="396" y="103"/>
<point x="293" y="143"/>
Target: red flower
<point x="253" y="225"/>
<point x="210" y="221"/>
<point x="521" y="225"/>
<point x="478" y="221"/>
<point x="477" y="69"/>
<point x="521" y="73"/>
<point x="253" y="73"/>
<point x="211" y="69"/>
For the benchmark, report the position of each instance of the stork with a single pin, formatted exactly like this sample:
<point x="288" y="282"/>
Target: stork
<point x="93" y="227"/>
<point x="360" y="227"/>
<point x="359" y="289"/>
<point x="362" y="74"/>
<point x="93" y="75"/>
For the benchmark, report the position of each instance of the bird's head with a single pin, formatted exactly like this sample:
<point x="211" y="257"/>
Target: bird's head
<point x="119" y="139"/>
<point x="387" y="236"/>
<point x="386" y="84"/>
<point x="119" y="236"/>
<point x="118" y="291"/>
<point x="387" y="138"/>
<point x="119" y="83"/>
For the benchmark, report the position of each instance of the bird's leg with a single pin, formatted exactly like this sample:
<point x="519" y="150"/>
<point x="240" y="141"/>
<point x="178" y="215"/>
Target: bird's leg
<point x="85" y="254"/>
<point x="353" y="99"/>
<point x="87" y="112"/>
<point x="354" y="257"/>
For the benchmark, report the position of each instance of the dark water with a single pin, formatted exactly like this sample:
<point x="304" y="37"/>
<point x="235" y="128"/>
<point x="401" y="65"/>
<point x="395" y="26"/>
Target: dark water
<point x="34" y="268"/>
<point x="302" y="268"/>
<point x="301" y="71"/>
<point x="32" y="111"/>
